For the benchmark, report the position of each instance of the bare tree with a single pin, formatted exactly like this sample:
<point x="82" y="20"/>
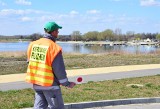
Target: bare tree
<point x="76" y="36"/>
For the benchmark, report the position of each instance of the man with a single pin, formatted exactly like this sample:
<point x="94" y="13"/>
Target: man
<point x="46" y="69"/>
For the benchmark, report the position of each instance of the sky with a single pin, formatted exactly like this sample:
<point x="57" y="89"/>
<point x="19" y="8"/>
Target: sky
<point x="25" y="17"/>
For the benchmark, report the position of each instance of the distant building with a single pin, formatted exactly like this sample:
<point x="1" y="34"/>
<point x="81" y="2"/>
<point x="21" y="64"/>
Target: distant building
<point x="147" y="40"/>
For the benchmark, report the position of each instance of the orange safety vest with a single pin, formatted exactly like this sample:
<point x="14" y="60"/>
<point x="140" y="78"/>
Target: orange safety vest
<point x="41" y="54"/>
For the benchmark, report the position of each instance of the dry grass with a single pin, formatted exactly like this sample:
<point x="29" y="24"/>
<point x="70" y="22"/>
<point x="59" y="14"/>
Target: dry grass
<point x="15" y="62"/>
<point x="109" y="59"/>
<point x="13" y="54"/>
<point x="12" y="62"/>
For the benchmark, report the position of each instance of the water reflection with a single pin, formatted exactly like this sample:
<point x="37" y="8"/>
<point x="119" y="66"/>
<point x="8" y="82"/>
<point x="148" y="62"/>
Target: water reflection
<point x="77" y="47"/>
<point x="14" y="46"/>
<point x="84" y="49"/>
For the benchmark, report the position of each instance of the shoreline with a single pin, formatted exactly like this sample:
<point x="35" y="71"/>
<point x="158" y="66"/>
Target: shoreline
<point x="111" y="43"/>
<point x="86" y="47"/>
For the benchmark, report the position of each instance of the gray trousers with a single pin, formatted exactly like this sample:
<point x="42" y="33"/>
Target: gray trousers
<point x="48" y="99"/>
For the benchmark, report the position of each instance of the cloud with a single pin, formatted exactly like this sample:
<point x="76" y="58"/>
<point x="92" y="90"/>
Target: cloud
<point x="90" y="19"/>
<point x="73" y="12"/>
<point x="5" y="12"/>
<point x="23" y="2"/>
<point x="2" y="3"/>
<point x="26" y="19"/>
<point x="149" y="3"/>
<point x="72" y="17"/>
<point x="27" y="15"/>
<point x="93" y="12"/>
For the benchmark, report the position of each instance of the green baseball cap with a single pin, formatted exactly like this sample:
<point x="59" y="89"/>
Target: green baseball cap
<point x="51" y="26"/>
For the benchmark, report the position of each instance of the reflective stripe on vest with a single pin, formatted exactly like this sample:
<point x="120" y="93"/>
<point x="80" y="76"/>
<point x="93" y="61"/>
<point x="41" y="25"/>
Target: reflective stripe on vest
<point x="39" y="69"/>
<point x="39" y="73"/>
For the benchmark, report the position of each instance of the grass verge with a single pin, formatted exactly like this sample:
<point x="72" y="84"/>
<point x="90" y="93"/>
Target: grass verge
<point x="12" y="63"/>
<point x="149" y="86"/>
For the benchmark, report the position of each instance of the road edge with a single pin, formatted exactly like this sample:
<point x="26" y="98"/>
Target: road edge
<point x="115" y="102"/>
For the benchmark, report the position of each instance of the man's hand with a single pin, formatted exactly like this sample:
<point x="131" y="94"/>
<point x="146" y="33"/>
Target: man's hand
<point x="71" y="85"/>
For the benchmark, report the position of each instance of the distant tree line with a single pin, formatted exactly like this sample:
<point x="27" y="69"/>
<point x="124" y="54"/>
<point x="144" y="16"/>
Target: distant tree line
<point x="31" y="37"/>
<point x="110" y="35"/>
<point x="106" y="35"/>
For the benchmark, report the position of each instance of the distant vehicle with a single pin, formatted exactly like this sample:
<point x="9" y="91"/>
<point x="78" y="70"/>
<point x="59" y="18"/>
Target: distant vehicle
<point x="107" y="40"/>
<point x="155" y="40"/>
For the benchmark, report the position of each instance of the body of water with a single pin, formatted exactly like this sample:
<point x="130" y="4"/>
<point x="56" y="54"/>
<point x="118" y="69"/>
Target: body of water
<point x="80" y="48"/>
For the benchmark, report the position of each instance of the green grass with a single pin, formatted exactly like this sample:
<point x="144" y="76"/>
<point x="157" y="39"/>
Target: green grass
<point x="16" y="99"/>
<point x="91" y="91"/>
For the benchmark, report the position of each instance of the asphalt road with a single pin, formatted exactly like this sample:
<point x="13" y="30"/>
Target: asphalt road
<point x="86" y="78"/>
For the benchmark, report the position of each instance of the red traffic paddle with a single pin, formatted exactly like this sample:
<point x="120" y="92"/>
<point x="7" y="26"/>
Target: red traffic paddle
<point x="79" y="79"/>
